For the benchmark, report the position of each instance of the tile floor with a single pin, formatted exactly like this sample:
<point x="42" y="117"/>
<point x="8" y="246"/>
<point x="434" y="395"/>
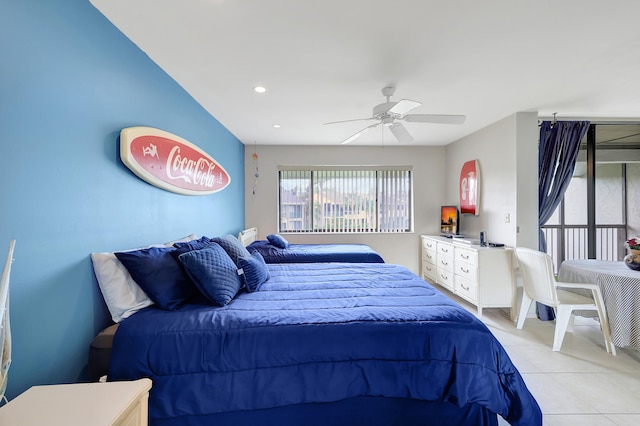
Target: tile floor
<point x="582" y="385"/>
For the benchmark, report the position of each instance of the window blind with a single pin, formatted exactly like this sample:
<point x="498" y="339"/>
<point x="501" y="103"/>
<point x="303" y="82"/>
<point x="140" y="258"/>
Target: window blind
<point x="345" y="201"/>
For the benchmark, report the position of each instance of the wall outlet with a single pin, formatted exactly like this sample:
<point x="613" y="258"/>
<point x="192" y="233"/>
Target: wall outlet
<point x="507" y="218"/>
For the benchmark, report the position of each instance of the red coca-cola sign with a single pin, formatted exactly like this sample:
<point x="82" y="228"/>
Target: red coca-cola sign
<point x="170" y="162"/>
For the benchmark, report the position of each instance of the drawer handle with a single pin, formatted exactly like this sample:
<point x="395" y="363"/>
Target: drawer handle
<point x="444" y="277"/>
<point x="466" y="271"/>
<point x="428" y="256"/>
<point x="444" y="263"/>
<point x="464" y="256"/>
<point x="444" y="250"/>
<point x="466" y="288"/>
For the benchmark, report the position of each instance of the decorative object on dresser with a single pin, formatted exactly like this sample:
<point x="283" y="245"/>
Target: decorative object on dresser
<point x="449" y="221"/>
<point x="80" y="404"/>
<point x="482" y="276"/>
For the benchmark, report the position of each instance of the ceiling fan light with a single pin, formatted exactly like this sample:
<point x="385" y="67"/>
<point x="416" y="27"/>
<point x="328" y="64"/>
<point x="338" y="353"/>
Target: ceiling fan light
<point x="260" y="89"/>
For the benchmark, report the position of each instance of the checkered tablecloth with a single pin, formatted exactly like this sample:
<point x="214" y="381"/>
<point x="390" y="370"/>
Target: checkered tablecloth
<point x="620" y="287"/>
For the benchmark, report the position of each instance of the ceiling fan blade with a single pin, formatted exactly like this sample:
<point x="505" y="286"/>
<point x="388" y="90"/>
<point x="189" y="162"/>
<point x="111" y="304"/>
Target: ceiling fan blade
<point x="357" y="134"/>
<point x="435" y="118"/>
<point x="401" y="133"/>
<point x="403" y="106"/>
<point x="355" y="119"/>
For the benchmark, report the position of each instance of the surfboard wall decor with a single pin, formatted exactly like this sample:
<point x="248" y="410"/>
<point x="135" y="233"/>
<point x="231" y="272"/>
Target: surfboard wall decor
<point x="170" y="162"/>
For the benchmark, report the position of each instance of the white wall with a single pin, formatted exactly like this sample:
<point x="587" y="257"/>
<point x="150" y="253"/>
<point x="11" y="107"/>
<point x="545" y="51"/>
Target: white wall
<point x="429" y="167"/>
<point x="507" y="153"/>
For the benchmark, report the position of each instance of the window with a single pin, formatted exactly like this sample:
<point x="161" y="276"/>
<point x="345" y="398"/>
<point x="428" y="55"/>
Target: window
<point x="345" y="200"/>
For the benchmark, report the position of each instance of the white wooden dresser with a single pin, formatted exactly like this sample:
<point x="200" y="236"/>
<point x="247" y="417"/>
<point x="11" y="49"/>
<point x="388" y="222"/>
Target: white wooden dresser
<point x="483" y="276"/>
<point x="80" y="404"/>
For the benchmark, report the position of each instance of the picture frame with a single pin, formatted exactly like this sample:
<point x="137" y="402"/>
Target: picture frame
<point x="470" y="188"/>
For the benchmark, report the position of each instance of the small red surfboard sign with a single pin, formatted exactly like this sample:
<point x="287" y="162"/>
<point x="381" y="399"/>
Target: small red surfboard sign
<point x="170" y="162"/>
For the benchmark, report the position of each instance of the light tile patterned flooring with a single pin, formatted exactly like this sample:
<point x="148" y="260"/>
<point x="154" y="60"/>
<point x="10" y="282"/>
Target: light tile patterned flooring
<point x="582" y="385"/>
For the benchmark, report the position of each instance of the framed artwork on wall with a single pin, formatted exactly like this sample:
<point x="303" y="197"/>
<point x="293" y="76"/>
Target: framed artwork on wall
<point x="169" y="162"/>
<point x="469" y="188"/>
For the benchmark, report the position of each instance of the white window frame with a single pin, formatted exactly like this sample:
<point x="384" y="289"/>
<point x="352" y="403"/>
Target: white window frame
<point x="366" y="215"/>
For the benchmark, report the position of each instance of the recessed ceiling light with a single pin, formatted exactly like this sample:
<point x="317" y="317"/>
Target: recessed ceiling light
<point x="276" y="126"/>
<point x="260" y="89"/>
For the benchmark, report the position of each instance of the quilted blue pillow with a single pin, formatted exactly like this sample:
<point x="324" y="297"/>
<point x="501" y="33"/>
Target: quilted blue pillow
<point x="255" y="271"/>
<point x="278" y="241"/>
<point x="158" y="273"/>
<point x="232" y="246"/>
<point x="213" y="272"/>
<point x="186" y="246"/>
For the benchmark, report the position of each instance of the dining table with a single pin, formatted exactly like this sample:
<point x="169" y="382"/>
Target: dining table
<point x="620" y="288"/>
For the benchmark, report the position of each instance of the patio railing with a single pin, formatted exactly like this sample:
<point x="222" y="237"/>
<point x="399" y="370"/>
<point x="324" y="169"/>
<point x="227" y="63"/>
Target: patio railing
<point x="566" y="242"/>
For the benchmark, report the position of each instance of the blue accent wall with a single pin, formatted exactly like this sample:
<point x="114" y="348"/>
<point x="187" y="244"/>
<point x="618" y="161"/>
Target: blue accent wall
<point x="69" y="82"/>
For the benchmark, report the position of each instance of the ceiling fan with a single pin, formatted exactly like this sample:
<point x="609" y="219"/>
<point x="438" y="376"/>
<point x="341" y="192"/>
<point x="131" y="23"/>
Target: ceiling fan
<point x="388" y="114"/>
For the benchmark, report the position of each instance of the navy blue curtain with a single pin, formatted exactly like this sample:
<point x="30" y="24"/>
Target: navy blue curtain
<point x="557" y="154"/>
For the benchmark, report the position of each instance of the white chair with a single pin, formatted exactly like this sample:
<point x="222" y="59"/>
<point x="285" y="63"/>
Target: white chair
<point x="540" y="285"/>
<point x="5" y="327"/>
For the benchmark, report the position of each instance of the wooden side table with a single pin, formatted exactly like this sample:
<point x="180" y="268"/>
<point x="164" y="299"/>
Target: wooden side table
<point x="81" y="404"/>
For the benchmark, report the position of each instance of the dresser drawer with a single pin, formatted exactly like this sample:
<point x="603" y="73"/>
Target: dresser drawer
<point x="429" y="256"/>
<point x="466" y="255"/>
<point x="445" y="249"/>
<point x="466" y="289"/>
<point x="429" y="272"/>
<point x="468" y="271"/>
<point x="445" y="278"/>
<point x="444" y="262"/>
<point x="429" y="244"/>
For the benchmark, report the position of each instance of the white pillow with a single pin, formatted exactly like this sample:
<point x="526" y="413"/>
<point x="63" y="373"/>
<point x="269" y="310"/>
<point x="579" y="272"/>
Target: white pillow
<point x="121" y="293"/>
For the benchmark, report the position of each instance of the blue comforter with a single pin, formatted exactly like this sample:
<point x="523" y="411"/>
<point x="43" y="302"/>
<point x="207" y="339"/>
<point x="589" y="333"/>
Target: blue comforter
<point x="320" y="332"/>
<point x="312" y="253"/>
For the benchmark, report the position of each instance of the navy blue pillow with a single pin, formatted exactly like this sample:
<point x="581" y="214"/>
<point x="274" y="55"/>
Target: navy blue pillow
<point x="232" y="246"/>
<point x="158" y="273"/>
<point x="255" y="271"/>
<point x="213" y="272"/>
<point x="186" y="246"/>
<point x="278" y="241"/>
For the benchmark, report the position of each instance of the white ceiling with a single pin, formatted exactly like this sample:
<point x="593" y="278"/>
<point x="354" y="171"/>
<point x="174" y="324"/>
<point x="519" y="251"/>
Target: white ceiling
<point x="328" y="60"/>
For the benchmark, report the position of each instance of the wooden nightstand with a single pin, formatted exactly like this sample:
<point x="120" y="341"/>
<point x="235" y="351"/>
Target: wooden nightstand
<point x="80" y="404"/>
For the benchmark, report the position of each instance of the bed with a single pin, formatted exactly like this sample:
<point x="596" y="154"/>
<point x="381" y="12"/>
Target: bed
<point x="276" y="249"/>
<point x="317" y="344"/>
